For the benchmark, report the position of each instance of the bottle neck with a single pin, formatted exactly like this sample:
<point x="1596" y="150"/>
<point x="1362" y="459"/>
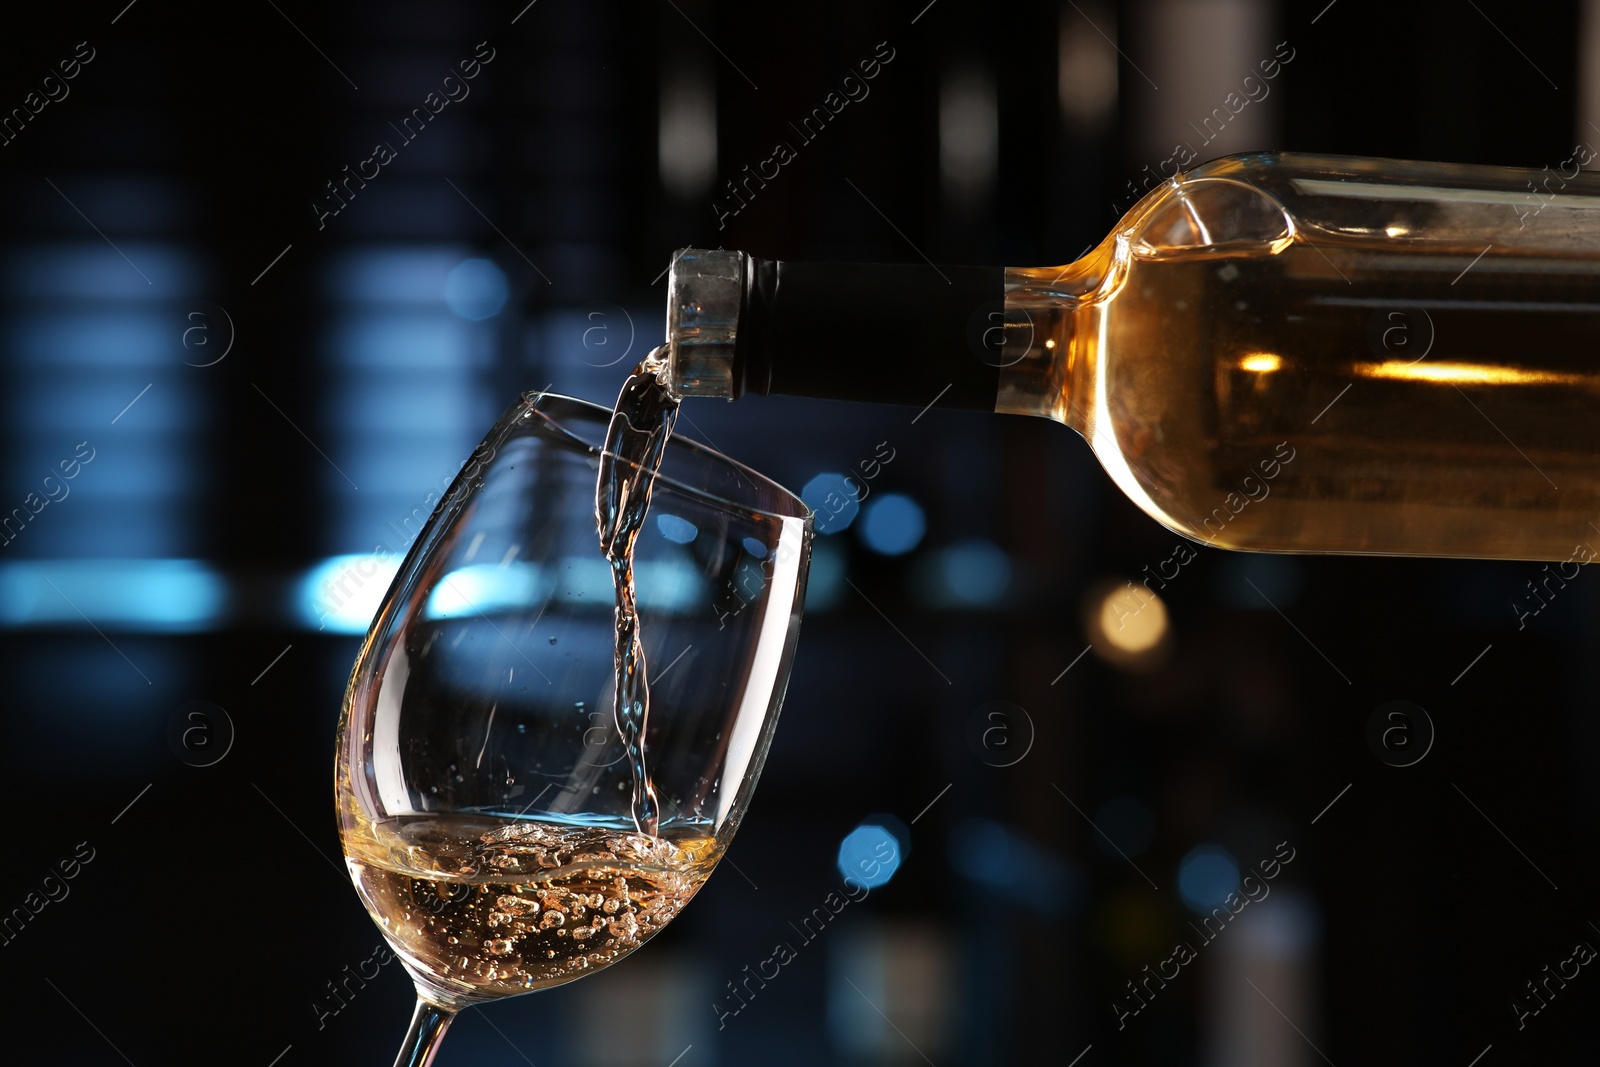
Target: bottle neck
<point x="914" y="334"/>
<point x="1052" y="355"/>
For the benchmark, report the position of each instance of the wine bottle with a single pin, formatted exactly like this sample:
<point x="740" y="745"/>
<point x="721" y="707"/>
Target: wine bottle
<point x="1269" y="352"/>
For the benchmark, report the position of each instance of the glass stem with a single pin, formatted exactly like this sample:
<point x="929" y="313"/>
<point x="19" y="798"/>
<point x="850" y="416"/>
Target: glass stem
<point x="428" y="1024"/>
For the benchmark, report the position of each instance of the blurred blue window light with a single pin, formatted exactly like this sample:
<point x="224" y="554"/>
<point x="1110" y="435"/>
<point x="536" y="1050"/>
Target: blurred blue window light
<point x="117" y="470"/>
<point x="487" y="588"/>
<point x="158" y="595"/>
<point x="405" y="516"/>
<point x="408" y="404"/>
<point x="476" y="289"/>
<point x="415" y="405"/>
<point x="342" y="594"/>
<point x="109" y="496"/>
<point x="665" y="585"/>
<point x="588" y="349"/>
<point x="126" y="503"/>
<point x="92" y="271"/>
<point x="408" y="276"/>
<point x="409" y="401"/>
<point x="139" y="472"/>
<point x="79" y="527"/>
<point x="68" y="404"/>
<point x="596" y="334"/>
<point x="97" y="557"/>
<point x="413" y="338"/>
<point x="93" y="333"/>
<point x="397" y="467"/>
<point x="421" y="276"/>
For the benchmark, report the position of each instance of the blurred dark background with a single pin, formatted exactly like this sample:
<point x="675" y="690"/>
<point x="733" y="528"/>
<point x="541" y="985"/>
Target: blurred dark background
<point x="271" y="375"/>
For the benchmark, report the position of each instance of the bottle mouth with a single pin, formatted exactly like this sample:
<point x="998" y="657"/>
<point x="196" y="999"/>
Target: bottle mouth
<point x="705" y="290"/>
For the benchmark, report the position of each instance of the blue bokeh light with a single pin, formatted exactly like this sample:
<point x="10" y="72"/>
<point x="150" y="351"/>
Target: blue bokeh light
<point x="476" y="289"/>
<point x="833" y="498"/>
<point x="869" y="855"/>
<point x="1011" y="865"/>
<point x="975" y="571"/>
<point x="675" y="529"/>
<point x="893" y="524"/>
<point x="1206" y="876"/>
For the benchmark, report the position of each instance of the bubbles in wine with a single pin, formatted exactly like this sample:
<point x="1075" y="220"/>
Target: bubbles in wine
<point x="481" y="909"/>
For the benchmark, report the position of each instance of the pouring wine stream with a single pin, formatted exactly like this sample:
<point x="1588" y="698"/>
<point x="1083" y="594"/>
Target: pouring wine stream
<point x="635" y="442"/>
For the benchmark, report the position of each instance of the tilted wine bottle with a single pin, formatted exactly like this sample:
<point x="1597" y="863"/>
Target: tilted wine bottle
<point x="1270" y="352"/>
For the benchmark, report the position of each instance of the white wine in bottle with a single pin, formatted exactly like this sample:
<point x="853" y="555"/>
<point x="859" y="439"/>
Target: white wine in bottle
<point x="1270" y="352"/>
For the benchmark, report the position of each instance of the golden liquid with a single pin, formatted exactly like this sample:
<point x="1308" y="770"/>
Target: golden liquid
<point x="1435" y="398"/>
<point x="481" y="908"/>
<point x="636" y="441"/>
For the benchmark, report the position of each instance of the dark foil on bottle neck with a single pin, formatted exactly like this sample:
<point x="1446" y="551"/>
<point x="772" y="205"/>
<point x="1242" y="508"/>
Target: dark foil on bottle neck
<point x="880" y="332"/>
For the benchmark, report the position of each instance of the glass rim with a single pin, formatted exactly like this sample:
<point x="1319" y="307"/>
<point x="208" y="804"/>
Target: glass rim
<point x="531" y="400"/>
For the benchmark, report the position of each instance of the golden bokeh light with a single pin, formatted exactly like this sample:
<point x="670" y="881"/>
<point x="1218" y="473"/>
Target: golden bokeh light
<point x="1465" y="374"/>
<point x="1261" y="362"/>
<point x="1133" y="621"/>
<point x="1127" y="624"/>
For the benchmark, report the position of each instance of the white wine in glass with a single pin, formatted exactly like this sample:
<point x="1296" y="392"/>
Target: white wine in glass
<point x="505" y="827"/>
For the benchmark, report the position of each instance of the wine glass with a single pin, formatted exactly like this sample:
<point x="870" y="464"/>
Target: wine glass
<point x="484" y="791"/>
